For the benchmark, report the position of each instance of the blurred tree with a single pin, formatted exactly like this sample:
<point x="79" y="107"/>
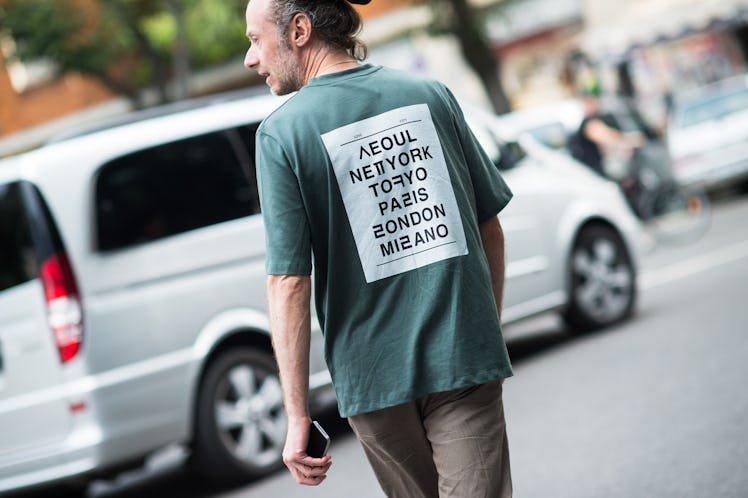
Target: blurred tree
<point x="127" y="44"/>
<point x="216" y="30"/>
<point x="181" y="66"/>
<point x="151" y="63"/>
<point x="462" y="20"/>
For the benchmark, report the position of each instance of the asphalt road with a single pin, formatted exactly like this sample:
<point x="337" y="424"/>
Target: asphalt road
<point x="656" y="407"/>
<point x="653" y="408"/>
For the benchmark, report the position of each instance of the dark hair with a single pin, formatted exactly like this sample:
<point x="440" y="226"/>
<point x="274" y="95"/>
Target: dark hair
<point x="335" y="22"/>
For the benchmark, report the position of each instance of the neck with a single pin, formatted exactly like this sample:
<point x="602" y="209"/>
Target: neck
<point x="334" y="67"/>
<point x="326" y="62"/>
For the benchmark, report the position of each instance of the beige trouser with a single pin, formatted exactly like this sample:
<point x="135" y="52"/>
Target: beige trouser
<point x="451" y="444"/>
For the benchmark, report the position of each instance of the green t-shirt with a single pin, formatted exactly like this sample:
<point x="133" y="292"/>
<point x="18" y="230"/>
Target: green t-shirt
<point x="375" y="173"/>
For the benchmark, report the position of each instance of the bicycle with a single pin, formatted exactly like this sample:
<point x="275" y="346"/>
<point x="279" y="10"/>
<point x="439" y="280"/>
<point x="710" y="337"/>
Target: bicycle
<point x="673" y="213"/>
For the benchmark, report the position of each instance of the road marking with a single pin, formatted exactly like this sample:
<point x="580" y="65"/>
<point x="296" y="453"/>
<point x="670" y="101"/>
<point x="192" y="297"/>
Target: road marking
<point x="694" y="265"/>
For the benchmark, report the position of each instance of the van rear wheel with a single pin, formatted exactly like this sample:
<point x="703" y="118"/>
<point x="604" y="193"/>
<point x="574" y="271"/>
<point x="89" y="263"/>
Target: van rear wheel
<point x="241" y="424"/>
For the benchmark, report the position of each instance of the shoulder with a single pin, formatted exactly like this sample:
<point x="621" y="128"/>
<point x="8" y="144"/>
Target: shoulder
<point x="428" y="90"/>
<point x="278" y="115"/>
<point x="417" y="80"/>
<point x="383" y="75"/>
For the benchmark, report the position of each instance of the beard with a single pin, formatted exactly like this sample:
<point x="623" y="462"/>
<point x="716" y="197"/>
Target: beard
<point x="289" y="74"/>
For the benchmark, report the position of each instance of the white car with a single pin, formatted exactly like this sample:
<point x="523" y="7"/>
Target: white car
<point x="572" y="240"/>
<point x="551" y="124"/>
<point x="708" y="134"/>
<point x="132" y="291"/>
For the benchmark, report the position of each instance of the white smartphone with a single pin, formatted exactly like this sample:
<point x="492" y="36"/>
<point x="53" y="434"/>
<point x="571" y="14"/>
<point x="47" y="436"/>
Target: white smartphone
<point x="319" y="441"/>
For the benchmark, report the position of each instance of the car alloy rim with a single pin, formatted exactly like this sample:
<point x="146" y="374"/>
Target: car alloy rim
<point x="604" y="280"/>
<point x="250" y="416"/>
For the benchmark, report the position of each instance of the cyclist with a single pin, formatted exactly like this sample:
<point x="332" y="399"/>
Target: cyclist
<point x="595" y="136"/>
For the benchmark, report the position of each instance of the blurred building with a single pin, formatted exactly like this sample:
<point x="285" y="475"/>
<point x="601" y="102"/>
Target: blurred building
<point x="533" y="38"/>
<point x="646" y="49"/>
<point x="642" y="48"/>
<point x="652" y="49"/>
<point x="31" y="94"/>
<point x="36" y="103"/>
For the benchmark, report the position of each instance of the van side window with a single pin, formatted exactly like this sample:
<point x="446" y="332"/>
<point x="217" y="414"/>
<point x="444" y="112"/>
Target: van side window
<point x="174" y="188"/>
<point x="17" y="258"/>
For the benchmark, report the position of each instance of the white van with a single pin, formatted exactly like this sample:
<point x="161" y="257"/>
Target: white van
<point x="132" y="301"/>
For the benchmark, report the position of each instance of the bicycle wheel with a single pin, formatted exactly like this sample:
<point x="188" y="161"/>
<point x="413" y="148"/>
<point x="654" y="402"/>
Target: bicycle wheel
<point x="677" y="214"/>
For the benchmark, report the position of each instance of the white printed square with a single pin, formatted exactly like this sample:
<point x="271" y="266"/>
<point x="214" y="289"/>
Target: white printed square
<point x="397" y="191"/>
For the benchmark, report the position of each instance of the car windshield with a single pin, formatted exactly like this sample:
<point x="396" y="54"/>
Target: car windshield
<point x="714" y="107"/>
<point x="552" y="135"/>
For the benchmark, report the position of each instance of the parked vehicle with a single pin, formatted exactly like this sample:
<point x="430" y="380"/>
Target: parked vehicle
<point x="550" y="125"/>
<point x="708" y="134"/>
<point x="132" y="302"/>
<point x="572" y="241"/>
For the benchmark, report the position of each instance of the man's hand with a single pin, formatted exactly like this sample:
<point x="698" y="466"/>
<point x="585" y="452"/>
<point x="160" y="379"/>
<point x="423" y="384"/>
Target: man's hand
<point x="304" y="469"/>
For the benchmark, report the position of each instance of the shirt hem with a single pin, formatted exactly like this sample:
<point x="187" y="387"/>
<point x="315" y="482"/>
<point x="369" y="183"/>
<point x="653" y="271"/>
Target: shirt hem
<point x="357" y="408"/>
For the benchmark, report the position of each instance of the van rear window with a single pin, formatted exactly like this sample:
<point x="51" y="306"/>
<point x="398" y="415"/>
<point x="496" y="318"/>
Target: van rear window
<point x="17" y="257"/>
<point x="174" y="188"/>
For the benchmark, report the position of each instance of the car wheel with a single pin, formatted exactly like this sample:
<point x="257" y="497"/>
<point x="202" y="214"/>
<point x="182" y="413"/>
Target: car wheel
<point x="602" y="280"/>
<point x="241" y="424"/>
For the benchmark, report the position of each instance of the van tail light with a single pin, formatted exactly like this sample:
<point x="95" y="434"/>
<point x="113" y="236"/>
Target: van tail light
<point x="65" y="315"/>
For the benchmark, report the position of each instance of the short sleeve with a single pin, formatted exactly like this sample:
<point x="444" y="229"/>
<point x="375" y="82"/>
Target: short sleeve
<point x="287" y="234"/>
<point x="491" y="192"/>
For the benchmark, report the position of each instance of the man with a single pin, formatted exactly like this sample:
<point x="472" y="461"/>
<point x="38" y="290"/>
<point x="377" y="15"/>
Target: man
<point x="594" y="136"/>
<point x="375" y="173"/>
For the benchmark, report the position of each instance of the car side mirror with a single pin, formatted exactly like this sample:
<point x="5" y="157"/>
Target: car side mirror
<point x="510" y="153"/>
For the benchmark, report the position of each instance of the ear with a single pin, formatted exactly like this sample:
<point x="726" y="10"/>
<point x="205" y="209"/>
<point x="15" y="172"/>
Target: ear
<point x="300" y="31"/>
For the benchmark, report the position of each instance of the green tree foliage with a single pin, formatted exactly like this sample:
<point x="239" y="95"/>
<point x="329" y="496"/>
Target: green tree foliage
<point x="47" y="30"/>
<point x="127" y="44"/>
<point x="215" y="30"/>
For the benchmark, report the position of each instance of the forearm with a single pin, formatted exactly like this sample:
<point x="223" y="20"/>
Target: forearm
<point x="492" y="238"/>
<point x="290" y="325"/>
<point x="603" y="135"/>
